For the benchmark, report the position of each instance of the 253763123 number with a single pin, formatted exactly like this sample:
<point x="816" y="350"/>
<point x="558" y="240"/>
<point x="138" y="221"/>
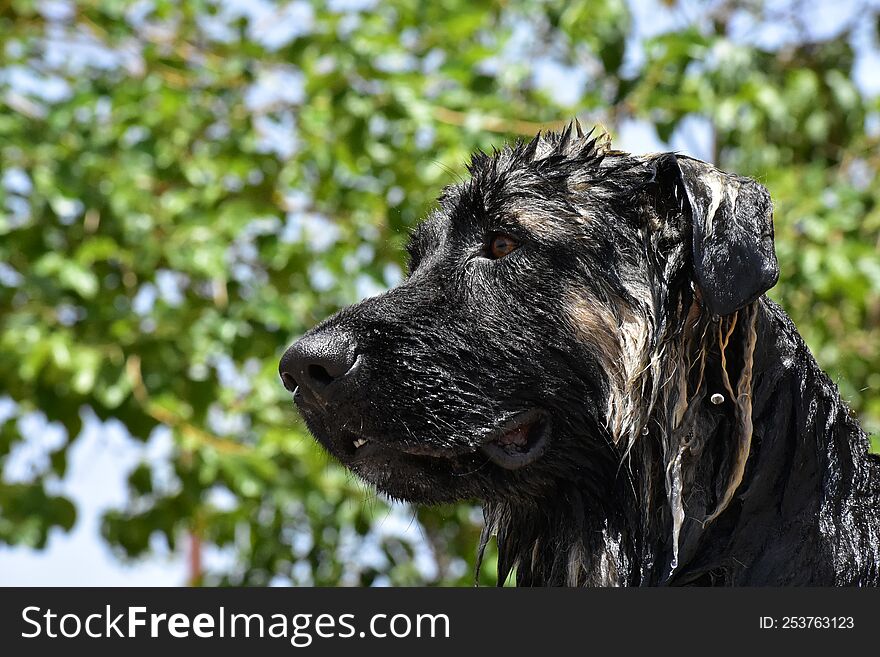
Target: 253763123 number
<point x="817" y="622"/>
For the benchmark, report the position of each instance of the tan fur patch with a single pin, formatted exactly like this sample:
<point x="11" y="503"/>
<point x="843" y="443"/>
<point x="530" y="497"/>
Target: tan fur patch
<point x="537" y="224"/>
<point x="620" y="338"/>
<point x="545" y="225"/>
<point x="595" y="324"/>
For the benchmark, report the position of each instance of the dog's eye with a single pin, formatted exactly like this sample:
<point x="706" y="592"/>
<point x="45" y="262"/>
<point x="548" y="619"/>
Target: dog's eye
<point x="501" y="245"/>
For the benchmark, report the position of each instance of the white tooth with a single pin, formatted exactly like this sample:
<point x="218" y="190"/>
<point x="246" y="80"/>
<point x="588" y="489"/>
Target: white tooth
<point x="360" y="442"/>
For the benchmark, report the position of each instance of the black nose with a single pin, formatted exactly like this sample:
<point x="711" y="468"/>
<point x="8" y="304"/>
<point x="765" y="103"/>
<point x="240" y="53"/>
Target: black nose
<point x="316" y="361"/>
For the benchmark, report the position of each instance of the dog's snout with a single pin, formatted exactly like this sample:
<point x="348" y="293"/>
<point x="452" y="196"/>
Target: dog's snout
<point x="316" y="361"/>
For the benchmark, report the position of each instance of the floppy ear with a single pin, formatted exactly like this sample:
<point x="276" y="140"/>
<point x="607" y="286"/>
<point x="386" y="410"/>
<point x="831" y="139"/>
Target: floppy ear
<point x="732" y="245"/>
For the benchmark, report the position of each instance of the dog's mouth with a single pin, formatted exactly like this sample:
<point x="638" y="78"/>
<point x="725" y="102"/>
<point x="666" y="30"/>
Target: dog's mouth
<point x="513" y="445"/>
<point x="520" y="441"/>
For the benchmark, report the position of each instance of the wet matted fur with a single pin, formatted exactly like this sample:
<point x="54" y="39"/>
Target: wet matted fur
<point x="582" y="344"/>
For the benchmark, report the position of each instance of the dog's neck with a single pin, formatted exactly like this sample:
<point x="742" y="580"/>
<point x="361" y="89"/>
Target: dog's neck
<point x="808" y="480"/>
<point x="564" y="542"/>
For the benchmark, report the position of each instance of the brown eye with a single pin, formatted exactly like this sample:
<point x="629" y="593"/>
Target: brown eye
<point x="500" y="245"/>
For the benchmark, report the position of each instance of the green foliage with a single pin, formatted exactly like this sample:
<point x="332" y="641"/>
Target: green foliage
<point x="167" y="226"/>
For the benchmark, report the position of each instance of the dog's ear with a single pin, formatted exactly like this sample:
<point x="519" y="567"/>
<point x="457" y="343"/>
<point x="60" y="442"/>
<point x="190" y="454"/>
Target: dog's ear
<point x="731" y="219"/>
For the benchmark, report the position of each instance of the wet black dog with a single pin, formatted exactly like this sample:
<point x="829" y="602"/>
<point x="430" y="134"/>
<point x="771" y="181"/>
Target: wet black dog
<point x="583" y="345"/>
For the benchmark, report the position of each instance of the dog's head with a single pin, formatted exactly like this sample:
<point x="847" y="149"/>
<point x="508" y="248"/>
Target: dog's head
<point x="506" y="362"/>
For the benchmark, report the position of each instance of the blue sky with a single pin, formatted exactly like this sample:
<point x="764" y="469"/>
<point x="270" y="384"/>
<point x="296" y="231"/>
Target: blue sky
<point x="100" y="459"/>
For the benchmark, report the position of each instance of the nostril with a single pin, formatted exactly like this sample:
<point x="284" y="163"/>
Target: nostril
<point x="288" y="381"/>
<point x="319" y="374"/>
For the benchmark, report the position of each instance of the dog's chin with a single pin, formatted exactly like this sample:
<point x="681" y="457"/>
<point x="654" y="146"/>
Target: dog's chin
<point x="426" y="477"/>
<point x="420" y="480"/>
